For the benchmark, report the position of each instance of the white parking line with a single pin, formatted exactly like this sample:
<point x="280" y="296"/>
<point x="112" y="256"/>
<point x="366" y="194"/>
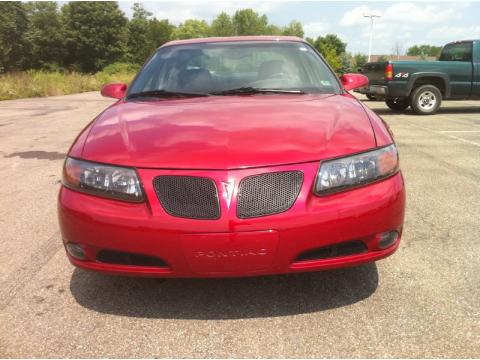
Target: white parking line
<point x="444" y="134"/>
<point x="463" y="140"/>
<point x="459" y="131"/>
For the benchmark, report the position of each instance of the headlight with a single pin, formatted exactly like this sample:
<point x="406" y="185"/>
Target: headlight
<point x="102" y="180"/>
<point x="343" y="173"/>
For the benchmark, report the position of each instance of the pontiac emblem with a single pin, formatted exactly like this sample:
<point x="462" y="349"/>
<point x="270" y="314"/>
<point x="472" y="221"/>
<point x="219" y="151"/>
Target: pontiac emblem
<point x="228" y="191"/>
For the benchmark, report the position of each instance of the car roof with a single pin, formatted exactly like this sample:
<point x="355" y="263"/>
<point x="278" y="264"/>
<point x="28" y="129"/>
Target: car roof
<point x="233" y="39"/>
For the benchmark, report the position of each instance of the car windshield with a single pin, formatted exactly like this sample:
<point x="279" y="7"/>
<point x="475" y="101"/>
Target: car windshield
<point x="222" y="68"/>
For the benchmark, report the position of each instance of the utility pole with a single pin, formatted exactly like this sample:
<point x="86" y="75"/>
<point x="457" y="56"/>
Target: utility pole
<point x="372" y="18"/>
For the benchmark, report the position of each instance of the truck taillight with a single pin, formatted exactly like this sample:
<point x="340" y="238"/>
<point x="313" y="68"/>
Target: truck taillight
<point x="389" y="71"/>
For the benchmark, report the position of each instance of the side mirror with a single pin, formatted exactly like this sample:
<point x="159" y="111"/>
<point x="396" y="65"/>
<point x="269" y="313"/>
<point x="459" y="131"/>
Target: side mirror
<point x="114" y="90"/>
<point x="354" y="81"/>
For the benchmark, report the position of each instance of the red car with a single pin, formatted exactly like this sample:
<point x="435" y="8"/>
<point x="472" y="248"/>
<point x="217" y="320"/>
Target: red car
<point x="232" y="157"/>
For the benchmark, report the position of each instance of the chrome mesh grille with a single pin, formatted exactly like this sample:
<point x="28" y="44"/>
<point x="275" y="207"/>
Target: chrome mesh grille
<point x="188" y="196"/>
<point x="267" y="194"/>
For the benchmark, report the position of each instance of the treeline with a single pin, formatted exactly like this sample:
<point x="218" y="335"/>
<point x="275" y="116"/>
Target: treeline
<point x="424" y="50"/>
<point x="87" y="36"/>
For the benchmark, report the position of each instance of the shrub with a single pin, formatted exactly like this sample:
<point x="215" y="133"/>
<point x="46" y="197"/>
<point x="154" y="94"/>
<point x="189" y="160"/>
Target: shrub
<point x="37" y="83"/>
<point x="119" y="67"/>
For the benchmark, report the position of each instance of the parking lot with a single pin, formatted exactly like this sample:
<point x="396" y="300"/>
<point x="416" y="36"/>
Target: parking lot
<point x="424" y="301"/>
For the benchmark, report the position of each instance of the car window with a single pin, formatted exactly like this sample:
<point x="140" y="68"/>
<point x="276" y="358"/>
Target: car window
<point x="457" y="52"/>
<point x="210" y="67"/>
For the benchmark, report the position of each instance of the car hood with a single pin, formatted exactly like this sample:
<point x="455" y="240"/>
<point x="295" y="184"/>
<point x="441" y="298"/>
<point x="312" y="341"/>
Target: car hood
<point x="228" y="132"/>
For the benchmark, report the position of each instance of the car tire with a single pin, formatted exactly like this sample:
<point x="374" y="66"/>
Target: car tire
<point x="397" y="104"/>
<point x="371" y="97"/>
<point x="426" y="100"/>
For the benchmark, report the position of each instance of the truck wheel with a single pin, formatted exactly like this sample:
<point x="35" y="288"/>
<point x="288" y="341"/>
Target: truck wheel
<point x="371" y="97"/>
<point x="397" y="104"/>
<point x="426" y="100"/>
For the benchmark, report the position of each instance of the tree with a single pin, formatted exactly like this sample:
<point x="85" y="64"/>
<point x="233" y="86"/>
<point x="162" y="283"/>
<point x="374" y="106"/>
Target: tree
<point x="347" y="62"/>
<point x="192" y="29"/>
<point x="273" y="30"/>
<point x="414" y="51"/>
<point x="222" y="25"/>
<point x="138" y="41"/>
<point x="159" y="32"/>
<point x="45" y="35"/>
<point x="95" y="34"/>
<point x="248" y="22"/>
<point x="13" y="27"/>
<point x="359" y="61"/>
<point x="397" y="49"/>
<point x="425" y="50"/>
<point x="87" y="36"/>
<point x="333" y="49"/>
<point x="295" y="28"/>
<point x="330" y="55"/>
<point x="331" y="40"/>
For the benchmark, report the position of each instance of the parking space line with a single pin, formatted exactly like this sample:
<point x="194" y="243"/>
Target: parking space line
<point x="459" y="131"/>
<point x="463" y="140"/>
<point x="444" y="134"/>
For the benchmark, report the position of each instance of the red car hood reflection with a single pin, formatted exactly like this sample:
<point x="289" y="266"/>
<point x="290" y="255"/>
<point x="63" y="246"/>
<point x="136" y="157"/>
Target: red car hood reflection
<point x="229" y="132"/>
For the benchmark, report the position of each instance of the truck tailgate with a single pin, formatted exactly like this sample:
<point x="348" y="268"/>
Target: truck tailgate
<point x="374" y="70"/>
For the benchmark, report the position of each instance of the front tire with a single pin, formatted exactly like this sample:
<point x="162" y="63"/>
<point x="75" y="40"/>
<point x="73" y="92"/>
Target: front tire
<point x="397" y="104"/>
<point x="426" y="100"/>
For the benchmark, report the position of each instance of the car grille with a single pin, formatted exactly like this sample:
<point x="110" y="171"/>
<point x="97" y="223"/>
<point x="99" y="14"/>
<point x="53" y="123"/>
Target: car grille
<point x="124" y="258"/>
<point x="268" y="194"/>
<point x="343" y="249"/>
<point x="188" y="196"/>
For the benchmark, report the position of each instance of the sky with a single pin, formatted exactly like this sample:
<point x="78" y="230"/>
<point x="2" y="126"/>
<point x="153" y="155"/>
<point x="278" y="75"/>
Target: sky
<point x="404" y="23"/>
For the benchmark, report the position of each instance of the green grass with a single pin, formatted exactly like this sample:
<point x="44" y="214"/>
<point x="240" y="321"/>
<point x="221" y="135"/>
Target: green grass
<point x="36" y="83"/>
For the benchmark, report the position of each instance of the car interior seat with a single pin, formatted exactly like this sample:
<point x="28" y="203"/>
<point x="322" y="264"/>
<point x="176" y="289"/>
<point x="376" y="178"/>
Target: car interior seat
<point x="195" y="79"/>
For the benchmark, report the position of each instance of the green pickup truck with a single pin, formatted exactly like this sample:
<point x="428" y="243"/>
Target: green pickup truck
<point x="423" y="84"/>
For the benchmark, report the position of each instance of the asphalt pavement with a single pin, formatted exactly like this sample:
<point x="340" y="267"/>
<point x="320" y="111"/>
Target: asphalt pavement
<point x="424" y="301"/>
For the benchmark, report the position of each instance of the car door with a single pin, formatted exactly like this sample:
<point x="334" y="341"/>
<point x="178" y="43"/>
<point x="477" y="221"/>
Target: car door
<point x="457" y="58"/>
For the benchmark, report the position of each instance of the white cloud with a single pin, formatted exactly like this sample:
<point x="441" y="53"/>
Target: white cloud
<point x="418" y="14"/>
<point x="451" y="33"/>
<point x="315" y="29"/>
<point x="177" y="12"/>
<point x="408" y="23"/>
<point x="355" y="16"/>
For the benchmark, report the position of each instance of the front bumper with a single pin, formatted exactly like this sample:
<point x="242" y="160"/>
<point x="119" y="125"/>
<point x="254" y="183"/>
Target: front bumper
<point x="231" y="246"/>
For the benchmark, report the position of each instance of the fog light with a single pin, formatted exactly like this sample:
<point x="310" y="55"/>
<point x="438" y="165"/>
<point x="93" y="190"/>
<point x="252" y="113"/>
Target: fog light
<point x="387" y="239"/>
<point x="75" y="250"/>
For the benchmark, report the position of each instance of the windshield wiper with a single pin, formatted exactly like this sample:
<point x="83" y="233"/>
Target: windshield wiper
<point x="164" y="93"/>
<point x="248" y="90"/>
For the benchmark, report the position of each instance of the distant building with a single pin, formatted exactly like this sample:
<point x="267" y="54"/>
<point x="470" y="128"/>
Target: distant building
<point x="375" y="58"/>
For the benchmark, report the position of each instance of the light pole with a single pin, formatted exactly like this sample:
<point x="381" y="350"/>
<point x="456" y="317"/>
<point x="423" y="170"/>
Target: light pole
<point x="372" y="17"/>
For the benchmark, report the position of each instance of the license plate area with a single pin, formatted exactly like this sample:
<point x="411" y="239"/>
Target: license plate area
<point x="379" y="90"/>
<point x="238" y="252"/>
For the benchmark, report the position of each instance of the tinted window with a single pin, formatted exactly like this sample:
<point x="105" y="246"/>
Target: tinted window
<point x="209" y="67"/>
<point x="457" y="52"/>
